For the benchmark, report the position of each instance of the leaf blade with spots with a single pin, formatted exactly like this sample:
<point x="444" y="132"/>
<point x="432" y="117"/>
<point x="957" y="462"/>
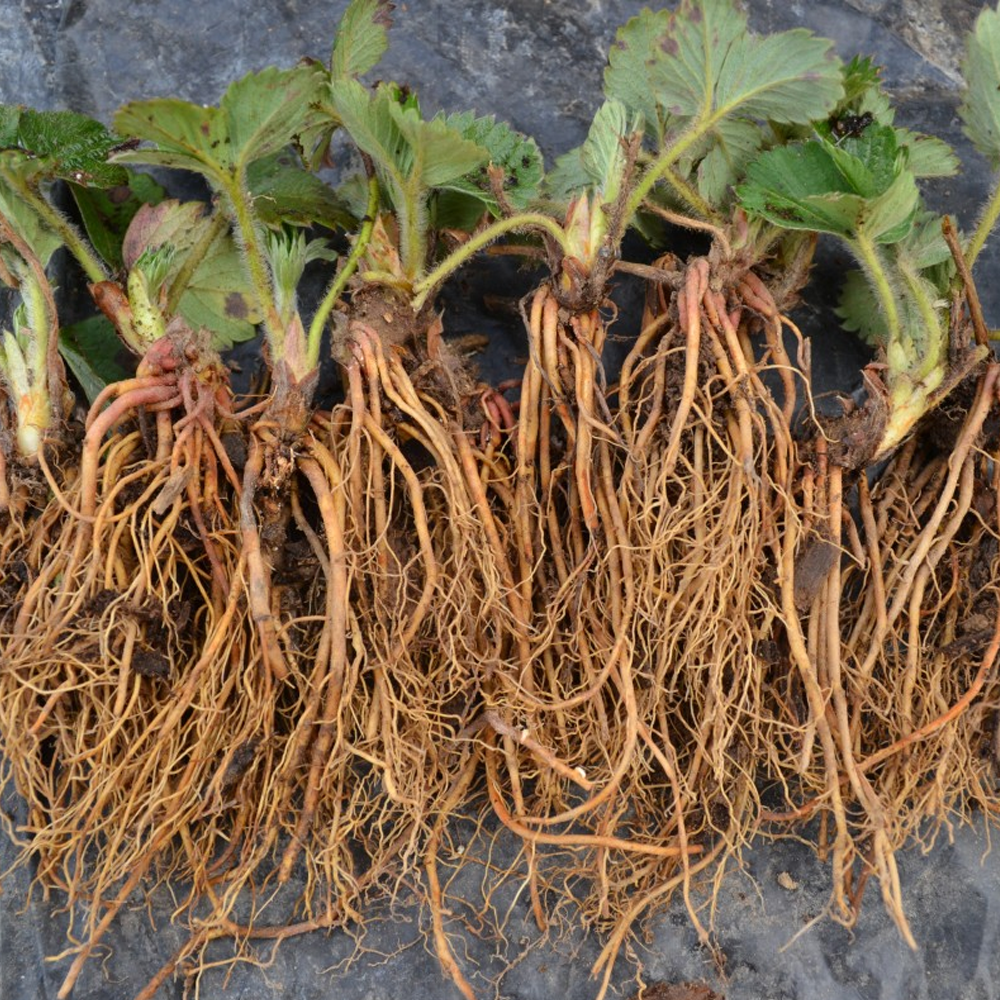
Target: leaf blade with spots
<point x="258" y="115"/>
<point x="218" y="295"/>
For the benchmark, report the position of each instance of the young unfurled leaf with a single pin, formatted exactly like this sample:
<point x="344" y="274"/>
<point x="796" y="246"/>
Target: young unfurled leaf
<point x="412" y="157"/>
<point x="257" y="116"/>
<point x="362" y="38"/>
<point x="218" y="295"/>
<point x="285" y="192"/>
<point x="598" y="159"/>
<point x="48" y="145"/>
<point x="288" y="253"/>
<point x="861" y="76"/>
<point x="980" y="110"/>
<point x="94" y="354"/>
<point x="604" y="152"/>
<point x="819" y="186"/>
<point x="107" y="214"/>
<point x="863" y="95"/>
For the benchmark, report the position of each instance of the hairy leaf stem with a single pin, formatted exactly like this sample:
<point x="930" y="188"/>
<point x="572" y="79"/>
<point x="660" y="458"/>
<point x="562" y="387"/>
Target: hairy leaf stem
<point x="338" y="284"/>
<point x="529" y="220"/>
<point x="92" y="265"/>
<point x="664" y="162"/>
<point x="236" y="190"/>
<point x="934" y="336"/>
<point x="987" y="220"/>
<point x="412" y="217"/>
<point x="870" y="259"/>
<point x="691" y="196"/>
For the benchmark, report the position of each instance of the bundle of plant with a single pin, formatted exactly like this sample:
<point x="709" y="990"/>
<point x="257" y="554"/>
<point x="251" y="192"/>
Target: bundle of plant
<point x="648" y="515"/>
<point x="132" y="561"/>
<point x="38" y="148"/>
<point x="354" y="695"/>
<point x="878" y="599"/>
<point x="136" y="696"/>
<point x="40" y="542"/>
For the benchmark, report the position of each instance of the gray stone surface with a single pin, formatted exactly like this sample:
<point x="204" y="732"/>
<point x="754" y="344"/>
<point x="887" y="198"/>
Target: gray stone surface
<point x="537" y="63"/>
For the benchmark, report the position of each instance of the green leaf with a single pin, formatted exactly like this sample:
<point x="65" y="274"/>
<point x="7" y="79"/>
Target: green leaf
<point x="819" y="186"/>
<point x="107" y="214"/>
<point x="924" y="246"/>
<point x="353" y="194"/>
<point x="859" y="310"/>
<point x="265" y="111"/>
<point x="869" y="162"/>
<point x="692" y="54"/>
<point x="10" y="115"/>
<point x="38" y="146"/>
<point x="927" y="156"/>
<point x="636" y="50"/>
<point x="94" y="354"/>
<point x="702" y="63"/>
<point x="68" y="146"/>
<point x="567" y="177"/>
<point x="218" y="296"/>
<point x="29" y="225"/>
<point x="733" y="144"/>
<point x="513" y="152"/>
<point x="258" y="115"/>
<point x="362" y="38"/>
<point x="187" y="136"/>
<point x="792" y="77"/>
<point x="368" y="119"/>
<point x="285" y="192"/>
<point x="438" y="155"/>
<point x="980" y="109"/>
<point x="403" y="146"/>
<point x="799" y="187"/>
<point x="179" y="224"/>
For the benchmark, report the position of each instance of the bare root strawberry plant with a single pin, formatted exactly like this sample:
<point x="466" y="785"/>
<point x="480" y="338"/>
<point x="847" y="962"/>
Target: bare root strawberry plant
<point x="275" y="645"/>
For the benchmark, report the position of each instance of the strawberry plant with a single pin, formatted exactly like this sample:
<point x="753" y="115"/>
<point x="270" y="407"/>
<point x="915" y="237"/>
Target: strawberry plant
<point x="279" y="638"/>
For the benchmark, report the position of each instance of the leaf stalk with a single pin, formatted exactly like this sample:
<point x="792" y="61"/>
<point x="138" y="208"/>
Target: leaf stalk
<point x="92" y="265"/>
<point x="528" y="220"/>
<point x="339" y="283"/>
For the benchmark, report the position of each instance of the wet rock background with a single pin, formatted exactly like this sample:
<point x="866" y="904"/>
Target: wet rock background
<point x="538" y="64"/>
